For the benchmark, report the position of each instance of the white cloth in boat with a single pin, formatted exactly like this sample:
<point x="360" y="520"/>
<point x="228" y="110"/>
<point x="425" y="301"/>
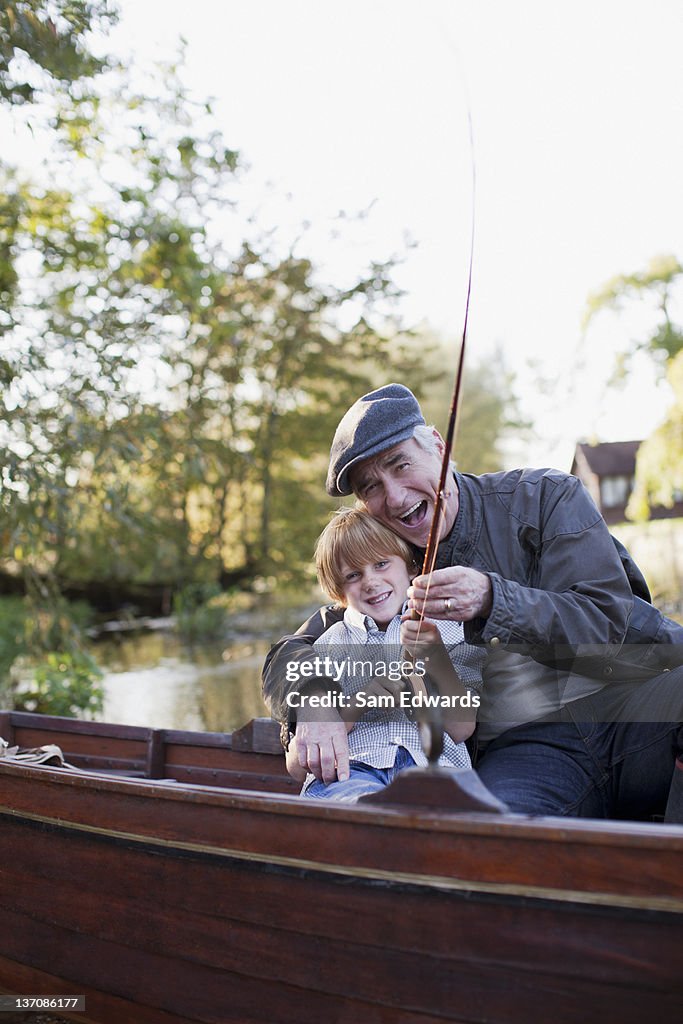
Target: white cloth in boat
<point x="359" y="648"/>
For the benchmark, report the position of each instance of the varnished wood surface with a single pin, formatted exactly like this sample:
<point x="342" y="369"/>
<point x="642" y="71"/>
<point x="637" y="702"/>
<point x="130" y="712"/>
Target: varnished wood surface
<point x="192" y="934"/>
<point x="207" y="759"/>
<point x="165" y="903"/>
<point x="572" y="859"/>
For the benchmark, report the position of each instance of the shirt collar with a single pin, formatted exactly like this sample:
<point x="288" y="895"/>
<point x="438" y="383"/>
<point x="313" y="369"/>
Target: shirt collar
<point x="364" y="622"/>
<point x="360" y="621"/>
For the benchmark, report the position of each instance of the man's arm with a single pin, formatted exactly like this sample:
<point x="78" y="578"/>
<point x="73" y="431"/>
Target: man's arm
<point x="322" y="743"/>
<point x="544" y="572"/>
<point x="283" y="671"/>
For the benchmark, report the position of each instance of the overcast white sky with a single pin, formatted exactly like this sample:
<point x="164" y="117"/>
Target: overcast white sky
<point x="578" y="123"/>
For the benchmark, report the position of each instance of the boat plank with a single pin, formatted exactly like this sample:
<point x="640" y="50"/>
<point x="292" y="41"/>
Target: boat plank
<point x="188" y="992"/>
<point x="556" y="858"/>
<point x="50" y="724"/>
<point x="222" y="757"/>
<point x="470" y="951"/>
<point x="103" y="746"/>
<point x="230" y="779"/>
<point x="17" y="978"/>
<point x="293" y="900"/>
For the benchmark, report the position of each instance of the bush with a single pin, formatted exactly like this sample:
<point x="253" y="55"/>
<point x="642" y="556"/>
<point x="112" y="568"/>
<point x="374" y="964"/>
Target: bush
<point x="199" y="612"/>
<point x="65" y="683"/>
<point x="43" y="666"/>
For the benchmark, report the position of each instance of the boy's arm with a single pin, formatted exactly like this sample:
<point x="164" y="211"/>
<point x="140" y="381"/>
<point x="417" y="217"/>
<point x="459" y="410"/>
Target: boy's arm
<point x="424" y="642"/>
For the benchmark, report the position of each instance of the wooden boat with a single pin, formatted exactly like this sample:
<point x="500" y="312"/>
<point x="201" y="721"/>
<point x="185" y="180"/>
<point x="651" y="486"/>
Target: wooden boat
<point x="222" y="897"/>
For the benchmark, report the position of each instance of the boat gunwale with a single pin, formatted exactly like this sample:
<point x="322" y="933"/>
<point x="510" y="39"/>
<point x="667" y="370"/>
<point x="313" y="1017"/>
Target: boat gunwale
<point x="554" y="829"/>
<point x="588" y="899"/>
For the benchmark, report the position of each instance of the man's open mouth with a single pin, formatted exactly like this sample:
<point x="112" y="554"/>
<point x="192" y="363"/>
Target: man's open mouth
<point x="414" y="515"/>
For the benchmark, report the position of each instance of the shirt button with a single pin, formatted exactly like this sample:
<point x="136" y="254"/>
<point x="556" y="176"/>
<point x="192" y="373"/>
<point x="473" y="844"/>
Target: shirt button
<point x="607" y="671"/>
<point x="494" y="641"/>
<point x="397" y="741"/>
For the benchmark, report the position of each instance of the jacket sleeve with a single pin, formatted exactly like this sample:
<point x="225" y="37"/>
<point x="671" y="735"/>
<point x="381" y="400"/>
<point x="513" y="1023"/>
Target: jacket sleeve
<point x="283" y="671"/>
<point x="560" y="583"/>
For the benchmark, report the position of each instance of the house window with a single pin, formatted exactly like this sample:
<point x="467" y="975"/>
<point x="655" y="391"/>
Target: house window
<point x="615" y="490"/>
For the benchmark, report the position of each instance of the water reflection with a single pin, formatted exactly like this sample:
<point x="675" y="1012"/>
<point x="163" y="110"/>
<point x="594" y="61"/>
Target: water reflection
<point x="154" y="680"/>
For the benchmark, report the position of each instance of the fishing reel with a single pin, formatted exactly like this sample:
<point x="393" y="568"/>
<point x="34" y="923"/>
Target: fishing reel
<point x="423" y="708"/>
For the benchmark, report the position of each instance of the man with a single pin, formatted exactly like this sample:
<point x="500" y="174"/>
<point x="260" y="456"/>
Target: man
<point x="583" y="684"/>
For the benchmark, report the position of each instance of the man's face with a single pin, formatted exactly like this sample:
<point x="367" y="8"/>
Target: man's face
<point x="399" y="488"/>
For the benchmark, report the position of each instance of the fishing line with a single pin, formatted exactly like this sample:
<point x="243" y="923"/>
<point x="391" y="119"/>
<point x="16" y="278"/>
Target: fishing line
<point x="431" y="549"/>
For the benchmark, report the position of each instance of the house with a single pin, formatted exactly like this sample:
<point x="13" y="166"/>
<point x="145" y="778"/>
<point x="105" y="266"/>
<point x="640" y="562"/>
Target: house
<point x="608" y="470"/>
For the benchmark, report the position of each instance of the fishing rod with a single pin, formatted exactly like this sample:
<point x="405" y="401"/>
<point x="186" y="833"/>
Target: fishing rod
<point x="431" y="730"/>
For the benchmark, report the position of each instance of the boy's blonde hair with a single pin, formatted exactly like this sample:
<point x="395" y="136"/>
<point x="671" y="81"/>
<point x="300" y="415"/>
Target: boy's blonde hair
<point x="353" y="538"/>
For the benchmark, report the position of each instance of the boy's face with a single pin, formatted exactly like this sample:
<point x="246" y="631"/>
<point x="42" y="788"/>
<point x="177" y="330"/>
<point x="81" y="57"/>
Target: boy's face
<point x="377" y="589"/>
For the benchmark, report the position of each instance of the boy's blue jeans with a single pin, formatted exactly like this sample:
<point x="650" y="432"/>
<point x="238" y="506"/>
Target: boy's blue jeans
<point x="363" y="778"/>
<point x="595" y="761"/>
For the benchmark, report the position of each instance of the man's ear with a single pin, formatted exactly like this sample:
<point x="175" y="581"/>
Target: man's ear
<point x="440" y="443"/>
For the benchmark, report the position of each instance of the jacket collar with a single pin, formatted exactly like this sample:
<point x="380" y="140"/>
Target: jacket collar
<point x="459" y="546"/>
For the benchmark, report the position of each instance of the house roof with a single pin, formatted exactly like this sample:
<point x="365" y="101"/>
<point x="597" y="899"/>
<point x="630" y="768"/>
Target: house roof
<point x="610" y="458"/>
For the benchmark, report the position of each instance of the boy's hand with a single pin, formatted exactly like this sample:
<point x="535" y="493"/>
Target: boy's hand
<point x="423" y="641"/>
<point x="376" y="688"/>
<point x="415" y="632"/>
<point x="383" y="687"/>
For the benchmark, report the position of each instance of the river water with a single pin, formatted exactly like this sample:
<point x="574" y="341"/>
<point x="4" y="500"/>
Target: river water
<point x="154" y="679"/>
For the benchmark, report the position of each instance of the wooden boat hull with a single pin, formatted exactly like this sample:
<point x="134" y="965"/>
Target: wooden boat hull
<point x="166" y="902"/>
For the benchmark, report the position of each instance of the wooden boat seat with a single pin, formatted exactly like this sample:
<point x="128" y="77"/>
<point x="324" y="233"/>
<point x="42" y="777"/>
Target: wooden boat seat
<point x="249" y="758"/>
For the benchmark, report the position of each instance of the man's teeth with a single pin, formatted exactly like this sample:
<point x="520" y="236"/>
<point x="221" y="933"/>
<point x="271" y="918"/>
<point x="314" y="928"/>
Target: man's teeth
<point x="408" y="514"/>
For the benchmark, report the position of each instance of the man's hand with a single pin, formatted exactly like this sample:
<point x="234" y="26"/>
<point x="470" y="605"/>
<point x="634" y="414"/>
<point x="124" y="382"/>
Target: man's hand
<point x="322" y="745"/>
<point x="292" y="761"/>
<point x="454" y="593"/>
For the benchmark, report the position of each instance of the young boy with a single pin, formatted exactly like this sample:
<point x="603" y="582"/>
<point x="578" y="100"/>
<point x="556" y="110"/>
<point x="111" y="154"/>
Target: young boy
<point x="367" y="568"/>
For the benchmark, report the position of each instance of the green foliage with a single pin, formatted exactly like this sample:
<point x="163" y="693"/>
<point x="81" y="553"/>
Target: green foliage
<point x="49" y="36"/>
<point x="43" y="666"/>
<point x="12" y="642"/>
<point x="64" y="683"/>
<point x="654" y="291"/>
<point x="659" y="465"/>
<point x="199" y="612"/>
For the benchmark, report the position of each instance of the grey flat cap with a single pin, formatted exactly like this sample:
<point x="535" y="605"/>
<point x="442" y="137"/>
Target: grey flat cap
<point x="374" y="423"/>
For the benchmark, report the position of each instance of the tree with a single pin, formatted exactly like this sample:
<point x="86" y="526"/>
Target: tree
<point x="659" y="466"/>
<point x="655" y="289"/>
<point x="49" y="37"/>
<point x="162" y="382"/>
<point x="43" y="51"/>
<point x="655" y="292"/>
